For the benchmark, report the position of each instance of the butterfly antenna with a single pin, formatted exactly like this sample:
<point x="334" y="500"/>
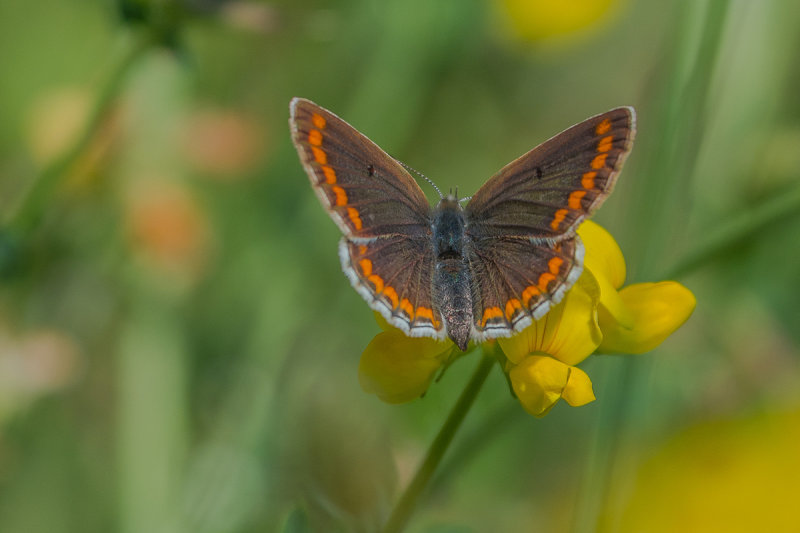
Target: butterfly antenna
<point x="466" y="198"/>
<point x="423" y="176"/>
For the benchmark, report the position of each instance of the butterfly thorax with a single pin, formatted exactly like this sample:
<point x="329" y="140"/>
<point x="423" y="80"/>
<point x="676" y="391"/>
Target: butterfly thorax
<point x="451" y="279"/>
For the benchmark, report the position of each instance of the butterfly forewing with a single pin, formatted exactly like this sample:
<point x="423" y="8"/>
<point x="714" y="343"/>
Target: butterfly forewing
<point x="366" y="192"/>
<point x="547" y="192"/>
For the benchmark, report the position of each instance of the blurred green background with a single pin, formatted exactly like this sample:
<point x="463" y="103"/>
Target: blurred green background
<point x="179" y="347"/>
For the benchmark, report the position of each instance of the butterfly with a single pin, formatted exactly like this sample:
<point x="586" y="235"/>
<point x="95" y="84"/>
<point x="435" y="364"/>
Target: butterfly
<point x="477" y="272"/>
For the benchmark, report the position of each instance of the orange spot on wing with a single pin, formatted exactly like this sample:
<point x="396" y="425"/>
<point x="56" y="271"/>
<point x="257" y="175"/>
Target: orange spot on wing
<point x="406" y="306"/>
<point x="530" y="292"/>
<point x="603" y="127"/>
<point x="599" y="161"/>
<point x="318" y="121"/>
<point x="377" y="281"/>
<point x="330" y="175"/>
<point x="352" y="212"/>
<point x="362" y="249"/>
<point x="341" y="196"/>
<point x="392" y="295"/>
<point x="366" y="267"/>
<point x="511" y="307"/>
<point x="315" y="137"/>
<point x="575" y="199"/>
<point x="605" y="144"/>
<point x="555" y="264"/>
<point x="319" y="155"/>
<point x="427" y="312"/>
<point x="490" y="313"/>
<point x="558" y="218"/>
<point x="544" y="279"/>
<point x="588" y="180"/>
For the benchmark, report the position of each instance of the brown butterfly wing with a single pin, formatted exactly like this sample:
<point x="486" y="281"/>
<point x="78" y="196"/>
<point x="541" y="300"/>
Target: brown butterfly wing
<point x="524" y="253"/>
<point x="386" y="252"/>
<point x="366" y="192"/>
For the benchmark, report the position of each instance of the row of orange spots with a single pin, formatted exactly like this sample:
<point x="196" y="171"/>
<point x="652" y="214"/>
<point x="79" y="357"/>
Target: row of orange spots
<point x="531" y="291"/>
<point x="405" y="304"/>
<point x="315" y="140"/>
<point x="587" y="180"/>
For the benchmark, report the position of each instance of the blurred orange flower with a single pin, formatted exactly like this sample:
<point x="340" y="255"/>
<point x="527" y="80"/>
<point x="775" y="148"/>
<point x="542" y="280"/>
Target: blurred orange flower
<point x="223" y="143"/>
<point x="168" y="229"/>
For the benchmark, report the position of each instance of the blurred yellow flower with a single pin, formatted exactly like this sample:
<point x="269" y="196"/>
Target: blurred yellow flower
<point x="734" y="474"/>
<point x="541" y="360"/>
<point x="536" y="20"/>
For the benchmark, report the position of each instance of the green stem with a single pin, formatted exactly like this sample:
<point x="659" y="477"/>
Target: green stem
<point x="405" y="506"/>
<point x="32" y="205"/>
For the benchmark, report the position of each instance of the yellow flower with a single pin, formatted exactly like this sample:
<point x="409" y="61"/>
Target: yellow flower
<point x="397" y="368"/>
<point x="542" y="358"/>
<point x="639" y="317"/>
<point x="537" y="20"/>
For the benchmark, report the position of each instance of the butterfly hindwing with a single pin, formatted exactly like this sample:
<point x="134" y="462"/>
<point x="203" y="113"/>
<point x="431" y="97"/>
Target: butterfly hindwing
<point x="516" y="281"/>
<point x="366" y="192"/>
<point x="394" y="275"/>
<point x="547" y="192"/>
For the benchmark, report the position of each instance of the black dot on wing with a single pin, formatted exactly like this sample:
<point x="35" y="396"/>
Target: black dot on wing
<point x="538" y="172"/>
<point x="371" y="170"/>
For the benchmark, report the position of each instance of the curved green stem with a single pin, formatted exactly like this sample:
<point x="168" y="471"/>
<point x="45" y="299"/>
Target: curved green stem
<point x="405" y="505"/>
<point x="32" y="205"/>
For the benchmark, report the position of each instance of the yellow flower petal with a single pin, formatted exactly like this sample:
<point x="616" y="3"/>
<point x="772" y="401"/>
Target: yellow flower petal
<point x="658" y="310"/>
<point x="603" y="255"/>
<point x="579" y="388"/>
<point x="605" y="261"/>
<point x="569" y="332"/>
<point x="539" y="381"/>
<point x="398" y="368"/>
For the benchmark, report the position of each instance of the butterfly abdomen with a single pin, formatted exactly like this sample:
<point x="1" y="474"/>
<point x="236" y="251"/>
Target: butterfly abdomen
<point x="451" y="278"/>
